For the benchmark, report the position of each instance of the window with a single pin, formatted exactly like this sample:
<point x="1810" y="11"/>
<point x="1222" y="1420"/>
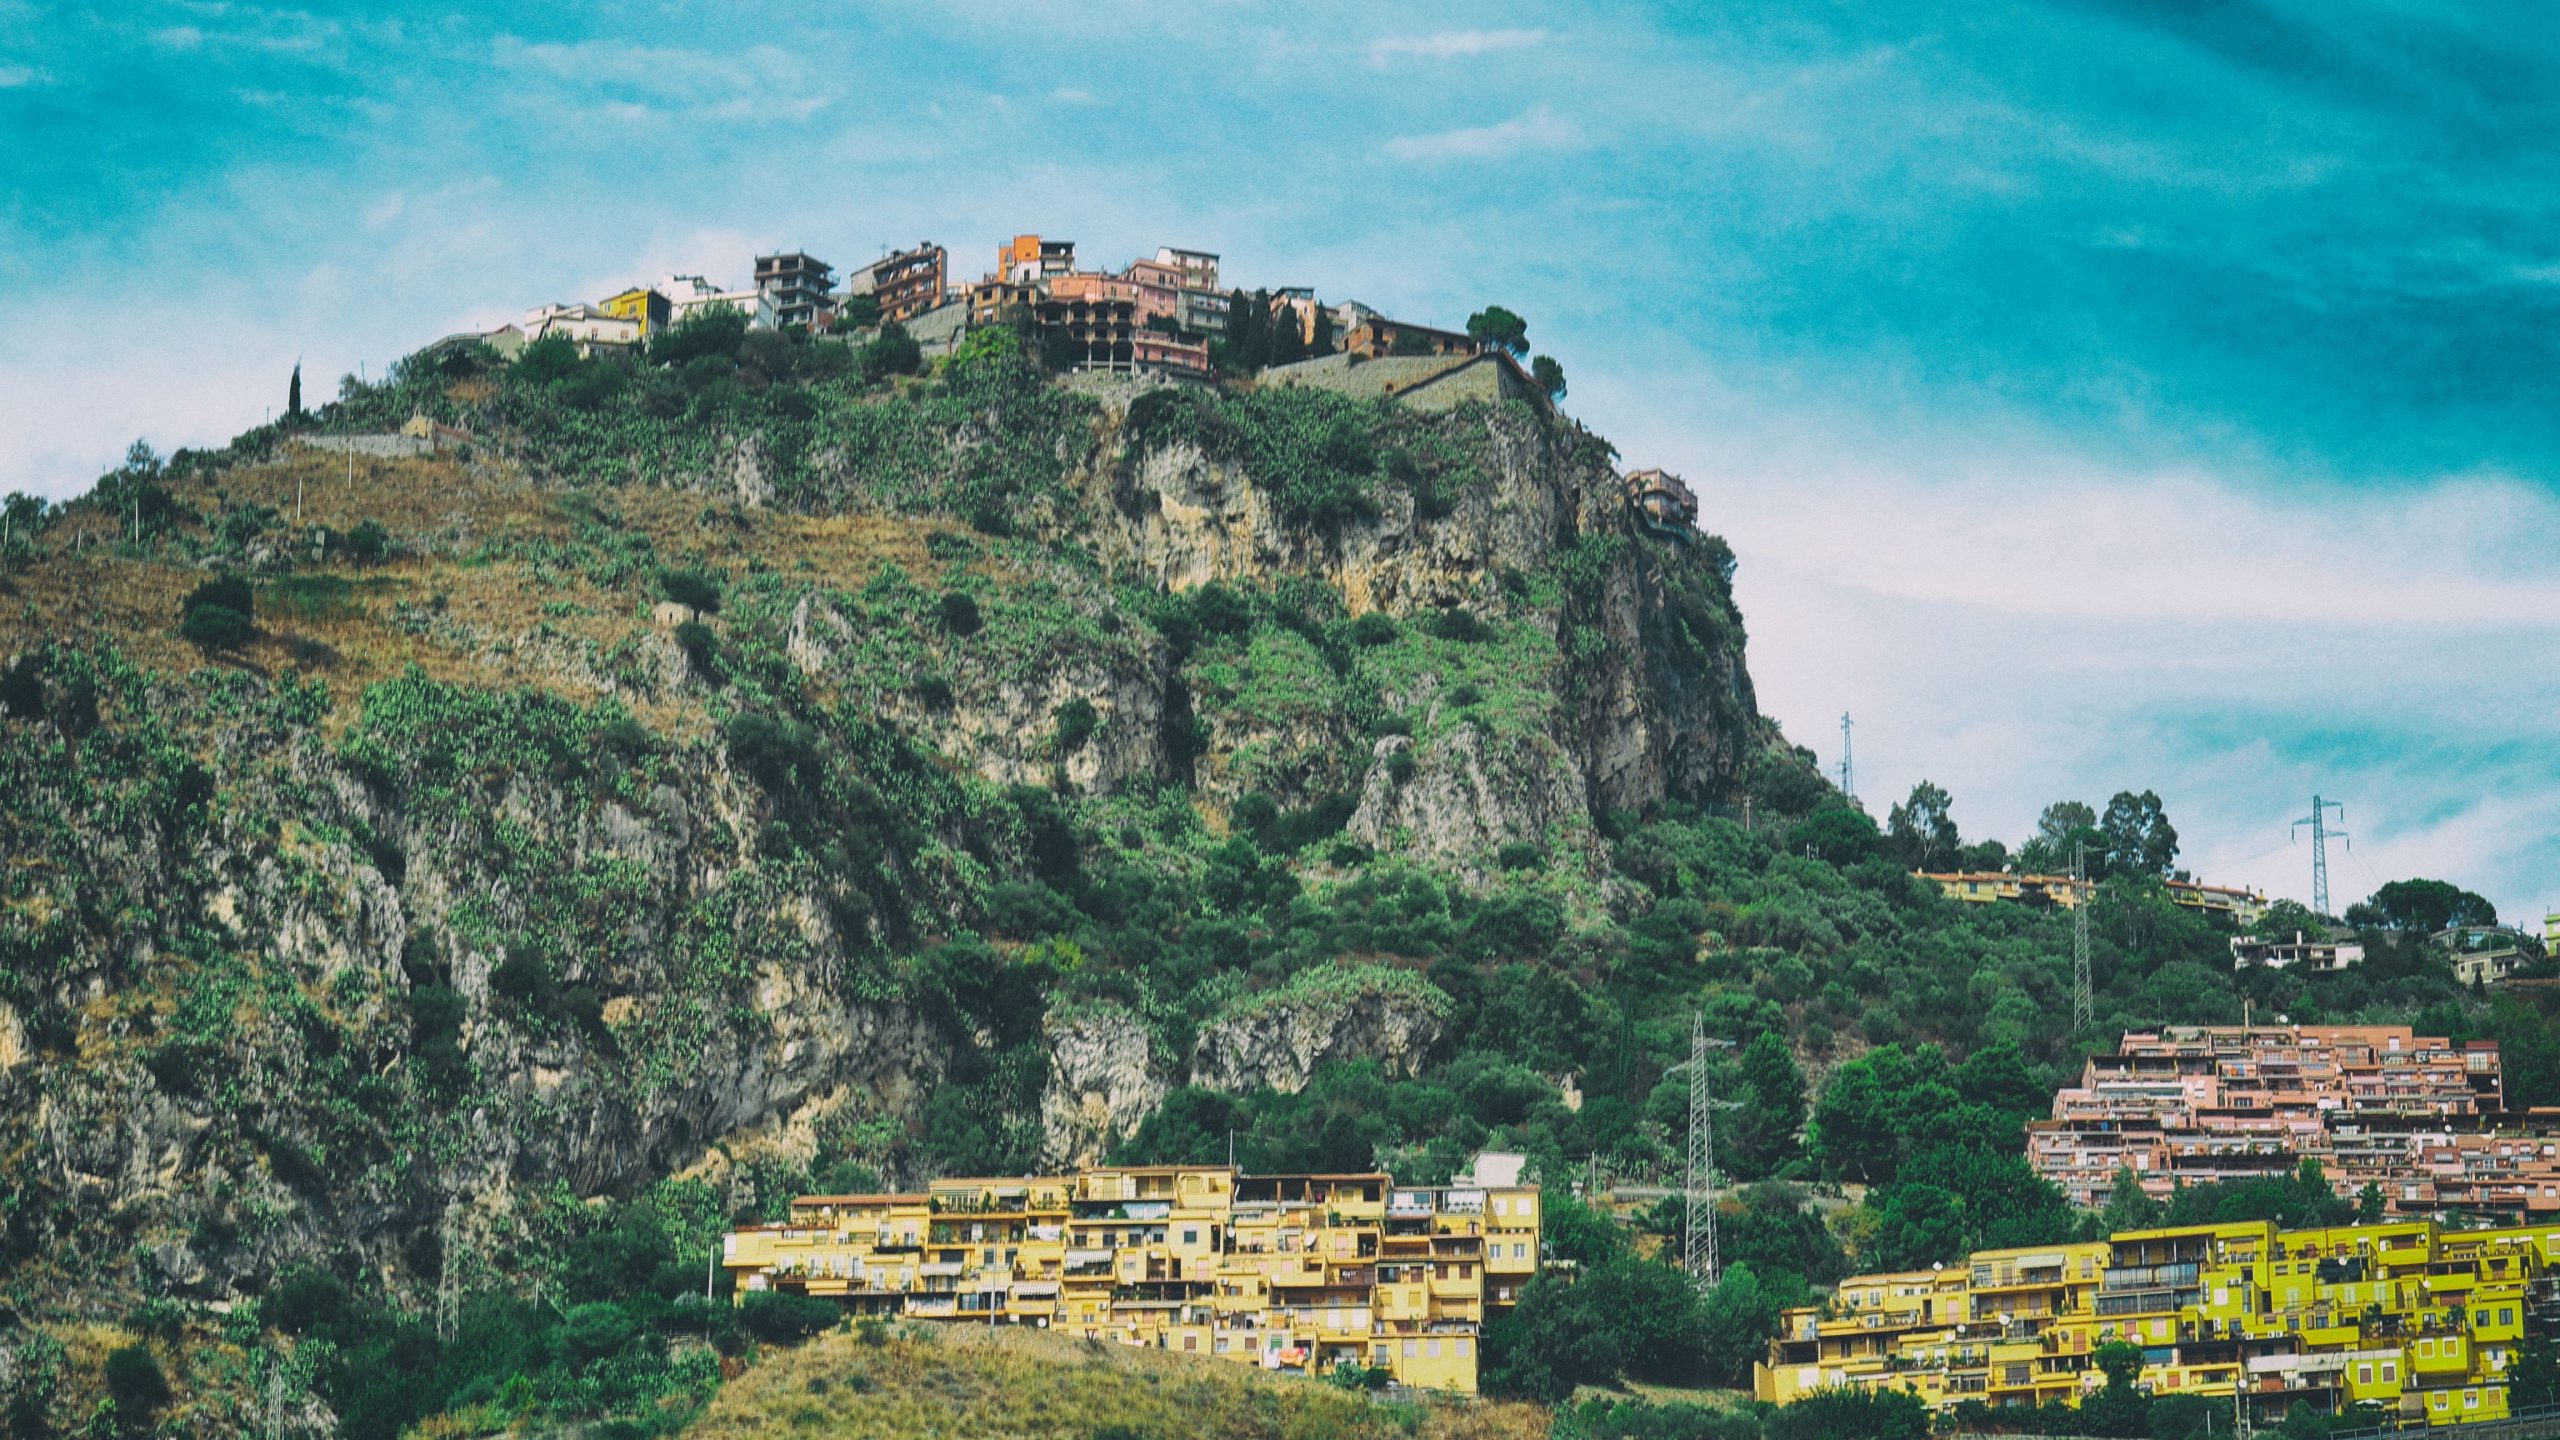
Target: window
<point x="1222" y="1344"/>
<point x="1408" y="1349"/>
<point x="2390" y="1371"/>
<point x="1190" y="1342"/>
<point x="2470" y="1399"/>
<point x="1190" y="1236"/>
<point x="1431" y="1349"/>
<point x="1466" y="1347"/>
<point x="2364" y="1374"/>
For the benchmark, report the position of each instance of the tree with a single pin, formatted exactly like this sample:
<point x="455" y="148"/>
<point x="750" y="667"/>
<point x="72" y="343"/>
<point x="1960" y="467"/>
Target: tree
<point x="1762" y="1132"/>
<point x="20" y="514"/>
<point x="2063" y="823"/>
<point x="2129" y="1206"/>
<point x="2139" y="838"/>
<point x="2426" y="906"/>
<point x="858" y="312"/>
<point x="549" y="360"/>
<point x="1549" y="374"/>
<point x="2284" y="917"/>
<point x="1921" y="831"/>
<point x="1837" y="832"/>
<point x="1494" y="325"/>
<point x="293" y="394"/>
<point x="892" y="352"/>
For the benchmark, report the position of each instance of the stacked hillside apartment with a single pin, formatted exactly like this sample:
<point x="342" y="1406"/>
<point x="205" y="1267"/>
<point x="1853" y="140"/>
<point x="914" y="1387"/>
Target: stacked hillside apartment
<point x="2417" y="1116"/>
<point x="2421" y="1322"/>
<point x="1304" y="1273"/>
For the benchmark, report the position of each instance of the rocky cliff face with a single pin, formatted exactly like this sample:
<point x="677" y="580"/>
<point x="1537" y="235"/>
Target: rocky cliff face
<point x="554" y="885"/>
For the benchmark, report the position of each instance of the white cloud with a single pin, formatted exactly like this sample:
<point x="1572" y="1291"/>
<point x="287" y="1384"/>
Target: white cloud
<point x="13" y="77"/>
<point x="1531" y="130"/>
<point x="1073" y="95"/>
<point x="1451" y="44"/>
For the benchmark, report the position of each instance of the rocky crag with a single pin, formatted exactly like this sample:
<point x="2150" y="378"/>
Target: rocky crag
<point x="840" y="779"/>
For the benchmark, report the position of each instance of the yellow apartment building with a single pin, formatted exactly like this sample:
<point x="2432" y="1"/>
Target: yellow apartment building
<point x="2417" y="1320"/>
<point x="1289" y="1272"/>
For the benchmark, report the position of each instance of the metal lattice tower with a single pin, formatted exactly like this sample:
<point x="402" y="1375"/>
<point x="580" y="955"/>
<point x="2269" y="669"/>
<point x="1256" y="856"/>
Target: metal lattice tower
<point x="449" y="1273"/>
<point x="1698" y="1188"/>
<point x="1848" y="777"/>
<point x="2083" y="1005"/>
<point x="275" y="1395"/>
<point x="2321" y="834"/>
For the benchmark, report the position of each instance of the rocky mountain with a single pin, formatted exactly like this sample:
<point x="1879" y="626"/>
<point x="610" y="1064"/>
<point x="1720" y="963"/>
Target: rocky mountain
<point x="747" y="776"/>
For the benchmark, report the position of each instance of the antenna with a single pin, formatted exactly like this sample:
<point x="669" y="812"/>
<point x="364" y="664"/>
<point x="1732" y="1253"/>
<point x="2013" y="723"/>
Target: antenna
<point x="1848" y="777"/>
<point x="2082" y="1007"/>
<point x="2318" y="820"/>
<point x="1697" y="1191"/>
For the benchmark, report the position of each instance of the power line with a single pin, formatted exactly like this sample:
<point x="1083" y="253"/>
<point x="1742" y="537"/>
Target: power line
<point x="2318" y="820"/>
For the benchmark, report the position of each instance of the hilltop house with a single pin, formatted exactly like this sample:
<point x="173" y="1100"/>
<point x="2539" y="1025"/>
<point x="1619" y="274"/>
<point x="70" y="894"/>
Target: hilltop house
<point x="586" y="326"/>
<point x="2318" y="953"/>
<point x="798" y="285"/>
<point x="653" y="310"/>
<point x="1663" y="499"/>
<point x="1377" y="336"/>
<point x="689" y="295"/>
<point x="1029" y="260"/>
<point x="906" y="284"/>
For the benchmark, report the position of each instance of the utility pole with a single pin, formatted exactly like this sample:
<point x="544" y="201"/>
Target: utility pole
<point x="1697" y="1191"/>
<point x="2082" y="1005"/>
<point x="2321" y="834"/>
<point x="1848" y="777"/>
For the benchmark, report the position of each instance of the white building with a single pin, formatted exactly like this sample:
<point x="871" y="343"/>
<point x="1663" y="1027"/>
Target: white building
<point x="2315" y="953"/>
<point x="584" y="325"/>
<point x="688" y="294"/>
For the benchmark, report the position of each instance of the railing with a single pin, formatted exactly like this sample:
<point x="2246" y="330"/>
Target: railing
<point x="2527" y="1424"/>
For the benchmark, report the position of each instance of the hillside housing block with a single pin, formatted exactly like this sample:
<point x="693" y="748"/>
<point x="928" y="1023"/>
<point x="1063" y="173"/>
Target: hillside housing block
<point x="1301" y="1273"/>
<point x="2415" y="1319"/>
<point x="2417" y="1116"/>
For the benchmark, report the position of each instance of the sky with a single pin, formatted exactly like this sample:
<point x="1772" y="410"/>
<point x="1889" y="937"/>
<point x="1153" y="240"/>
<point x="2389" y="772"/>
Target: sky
<point x="2099" y="394"/>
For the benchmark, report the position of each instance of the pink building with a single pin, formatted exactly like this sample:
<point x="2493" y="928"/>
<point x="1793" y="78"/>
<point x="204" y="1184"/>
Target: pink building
<point x="2417" y="1115"/>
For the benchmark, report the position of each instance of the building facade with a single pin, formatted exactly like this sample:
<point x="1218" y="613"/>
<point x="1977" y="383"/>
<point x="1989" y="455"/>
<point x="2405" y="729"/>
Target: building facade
<point x="1303" y="1273"/>
<point x="2417" y="1116"/>
<point x="798" y="286"/>
<point x="1982" y="887"/>
<point x="2420" y="1322"/>
<point x="2318" y="954"/>
<point x="906" y="284"/>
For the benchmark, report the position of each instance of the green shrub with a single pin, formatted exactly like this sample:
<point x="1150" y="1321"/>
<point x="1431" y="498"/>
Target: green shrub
<point x="215" y="627"/>
<point x="1373" y="628"/>
<point x="1077" y="720"/>
<point x="1460" y="624"/>
<point x="1401" y="765"/>
<point x="219" y="614"/>
<point x="960" y="613"/>
<point x="368" y="542"/>
<point x="1520" y="855"/>
<point x="1464" y="694"/>
<point x="697" y="589"/>
<point x="135" y="1382"/>
<point x="933" y="692"/>
<point x="778" y="1318"/>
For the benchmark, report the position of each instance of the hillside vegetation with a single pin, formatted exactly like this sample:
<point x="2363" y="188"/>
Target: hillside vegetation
<point x="483" y="876"/>
<point x="911" y="1384"/>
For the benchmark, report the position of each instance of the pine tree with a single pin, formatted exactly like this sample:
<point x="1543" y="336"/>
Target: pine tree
<point x="293" y="394"/>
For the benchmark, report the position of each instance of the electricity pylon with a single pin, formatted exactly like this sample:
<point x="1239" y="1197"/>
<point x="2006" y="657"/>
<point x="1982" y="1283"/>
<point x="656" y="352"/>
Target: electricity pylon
<point x="1697" y="1190"/>
<point x="2318" y="820"/>
<point x="1848" y="776"/>
<point x="2083" y="1005"/>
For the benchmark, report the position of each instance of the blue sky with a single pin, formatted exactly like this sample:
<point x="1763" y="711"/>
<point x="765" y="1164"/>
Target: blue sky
<point x="2099" y="393"/>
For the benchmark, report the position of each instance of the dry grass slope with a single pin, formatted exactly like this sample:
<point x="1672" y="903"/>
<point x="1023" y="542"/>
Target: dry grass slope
<point x="1008" y="1383"/>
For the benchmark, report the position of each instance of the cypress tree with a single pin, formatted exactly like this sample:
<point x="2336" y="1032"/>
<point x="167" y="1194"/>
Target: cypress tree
<point x="293" y="394"/>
